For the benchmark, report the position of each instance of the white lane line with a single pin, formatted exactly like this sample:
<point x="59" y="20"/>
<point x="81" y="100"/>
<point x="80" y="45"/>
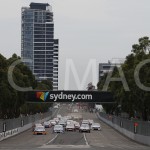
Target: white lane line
<point x="51" y="140"/>
<point x="59" y="110"/>
<point x="86" y="139"/>
<point x="65" y="146"/>
<point x="56" y="112"/>
<point x="57" y="134"/>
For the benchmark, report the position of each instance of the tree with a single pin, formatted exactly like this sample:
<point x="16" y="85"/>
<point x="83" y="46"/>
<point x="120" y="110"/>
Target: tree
<point x="13" y="102"/>
<point x="136" y="100"/>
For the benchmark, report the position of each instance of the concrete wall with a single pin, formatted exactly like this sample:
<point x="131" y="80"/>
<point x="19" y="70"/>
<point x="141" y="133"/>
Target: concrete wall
<point x="13" y="132"/>
<point x="136" y="137"/>
<point x="10" y="133"/>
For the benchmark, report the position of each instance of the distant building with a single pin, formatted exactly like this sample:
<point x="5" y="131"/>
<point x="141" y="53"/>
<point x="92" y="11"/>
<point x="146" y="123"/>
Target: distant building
<point x="39" y="49"/>
<point x="106" y="67"/>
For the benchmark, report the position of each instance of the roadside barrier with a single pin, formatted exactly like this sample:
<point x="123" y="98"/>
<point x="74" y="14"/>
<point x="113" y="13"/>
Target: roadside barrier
<point x="138" y="131"/>
<point x="11" y="127"/>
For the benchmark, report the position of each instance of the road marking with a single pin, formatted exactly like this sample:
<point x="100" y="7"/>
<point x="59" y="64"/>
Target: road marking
<point x="59" y="109"/>
<point x="56" y="112"/>
<point x="51" y="140"/>
<point x="65" y="146"/>
<point x="86" y="139"/>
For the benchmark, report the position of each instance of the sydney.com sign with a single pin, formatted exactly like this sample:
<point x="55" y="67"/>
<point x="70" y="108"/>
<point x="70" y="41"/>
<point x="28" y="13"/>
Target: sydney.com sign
<point x="70" y="96"/>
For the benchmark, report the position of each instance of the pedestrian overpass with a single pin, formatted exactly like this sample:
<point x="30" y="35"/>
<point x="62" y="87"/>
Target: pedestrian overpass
<point x="70" y="96"/>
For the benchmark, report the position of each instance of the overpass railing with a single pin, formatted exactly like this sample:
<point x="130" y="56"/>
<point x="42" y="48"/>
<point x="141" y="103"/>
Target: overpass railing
<point x="134" y="126"/>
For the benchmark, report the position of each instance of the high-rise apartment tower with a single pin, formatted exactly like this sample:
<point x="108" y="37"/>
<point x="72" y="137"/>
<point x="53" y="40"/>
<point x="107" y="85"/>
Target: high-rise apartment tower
<point x="39" y="49"/>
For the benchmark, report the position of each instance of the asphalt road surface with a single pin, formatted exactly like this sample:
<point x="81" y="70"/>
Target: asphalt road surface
<point x="106" y="139"/>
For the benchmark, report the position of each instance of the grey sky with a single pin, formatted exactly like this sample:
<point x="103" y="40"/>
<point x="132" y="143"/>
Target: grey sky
<point x="99" y="29"/>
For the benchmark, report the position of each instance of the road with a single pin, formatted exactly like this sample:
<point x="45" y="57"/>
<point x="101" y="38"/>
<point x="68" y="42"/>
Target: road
<point x="107" y="139"/>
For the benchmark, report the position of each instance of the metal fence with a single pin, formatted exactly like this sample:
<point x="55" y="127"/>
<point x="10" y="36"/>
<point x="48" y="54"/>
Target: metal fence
<point x="135" y="126"/>
<point x="9" y="124"/>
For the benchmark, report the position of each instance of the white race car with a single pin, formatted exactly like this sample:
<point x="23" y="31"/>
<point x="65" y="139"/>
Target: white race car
<point x="96" y="126"/>
<point x="58" y="129"/>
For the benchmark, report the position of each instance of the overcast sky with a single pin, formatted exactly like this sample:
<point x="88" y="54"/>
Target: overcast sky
<point x="87" y="29"/>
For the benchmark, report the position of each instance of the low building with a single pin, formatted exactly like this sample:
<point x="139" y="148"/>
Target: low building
<point x="105" y="68"/>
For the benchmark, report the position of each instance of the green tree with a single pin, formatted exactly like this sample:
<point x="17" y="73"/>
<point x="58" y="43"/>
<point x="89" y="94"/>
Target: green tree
<point x="136" y="99"/>
<point x="13" y="102"/>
